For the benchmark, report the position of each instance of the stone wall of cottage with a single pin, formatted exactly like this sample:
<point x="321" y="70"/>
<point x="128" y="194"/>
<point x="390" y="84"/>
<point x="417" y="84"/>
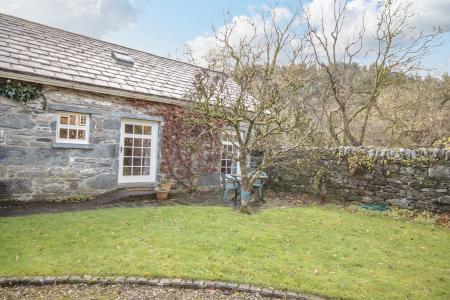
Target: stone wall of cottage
<point x="33" y="167"/>
<point x="417" y="179"/>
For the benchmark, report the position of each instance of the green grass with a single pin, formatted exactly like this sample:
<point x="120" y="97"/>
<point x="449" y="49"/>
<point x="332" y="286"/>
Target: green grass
<point x="320" y="250"/>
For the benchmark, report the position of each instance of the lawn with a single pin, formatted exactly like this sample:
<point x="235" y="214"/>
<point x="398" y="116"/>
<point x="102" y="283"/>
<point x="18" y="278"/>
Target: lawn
<point x="320" y="250"/>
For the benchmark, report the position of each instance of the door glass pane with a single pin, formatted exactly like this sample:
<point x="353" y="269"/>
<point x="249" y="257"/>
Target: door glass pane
<point x="128" y="142"/>
<point x="146" y="142"/>
<point x="138" y="142"/>
<point x="126" y="171"/>
<point x="137" y="161"/>
<point x="137" y="129"/>
<point x="127" y="161"/>
<point x="127" y="151"/>
<point x="146" y="161"/>
<point x="136" y="171"/>
<point x="146" y="152"/>
<point x="128" y="128"/>
<point x="137" y="151"/>
<point x="147" y="130"/>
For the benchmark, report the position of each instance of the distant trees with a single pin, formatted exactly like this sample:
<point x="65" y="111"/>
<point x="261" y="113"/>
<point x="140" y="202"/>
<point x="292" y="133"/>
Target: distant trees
<point x="347" y="95"/>
<point x="413" y="113"/>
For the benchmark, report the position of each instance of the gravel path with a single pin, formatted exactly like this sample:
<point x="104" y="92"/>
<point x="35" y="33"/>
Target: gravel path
<point x="73" y="291"/>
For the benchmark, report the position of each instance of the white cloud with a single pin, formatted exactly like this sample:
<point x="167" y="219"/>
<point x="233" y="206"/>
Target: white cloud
<point x="244" y="28"/>
<point x="426" y="14"/>
<point x="91" y="17"/>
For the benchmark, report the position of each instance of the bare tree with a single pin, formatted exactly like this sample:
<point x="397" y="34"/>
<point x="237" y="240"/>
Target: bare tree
<point x="252" y="99"/>
<point x="345" y="102"/>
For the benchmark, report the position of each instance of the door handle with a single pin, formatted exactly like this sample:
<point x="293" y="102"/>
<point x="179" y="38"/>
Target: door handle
<point x="121" y="148"/>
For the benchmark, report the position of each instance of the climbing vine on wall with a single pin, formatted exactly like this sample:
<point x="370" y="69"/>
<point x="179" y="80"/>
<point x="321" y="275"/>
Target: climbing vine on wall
<point x="21" y="91"/>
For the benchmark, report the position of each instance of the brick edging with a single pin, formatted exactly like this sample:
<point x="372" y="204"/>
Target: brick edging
<point x="160" y="282"/>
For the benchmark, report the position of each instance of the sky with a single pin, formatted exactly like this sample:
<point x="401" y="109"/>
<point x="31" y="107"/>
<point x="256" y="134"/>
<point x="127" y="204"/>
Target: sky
<point x="163" y="27"/>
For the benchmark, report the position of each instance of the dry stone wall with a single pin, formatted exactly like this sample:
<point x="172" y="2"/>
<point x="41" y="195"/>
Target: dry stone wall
<point x="417" y="179"/>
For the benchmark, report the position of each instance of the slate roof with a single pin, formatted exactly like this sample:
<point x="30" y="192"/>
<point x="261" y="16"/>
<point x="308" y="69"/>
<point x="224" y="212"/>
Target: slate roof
<point x="35" y="49"/>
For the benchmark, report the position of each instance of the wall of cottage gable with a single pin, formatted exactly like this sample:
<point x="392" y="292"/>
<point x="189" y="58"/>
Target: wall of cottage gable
<point x="34" y="167"/>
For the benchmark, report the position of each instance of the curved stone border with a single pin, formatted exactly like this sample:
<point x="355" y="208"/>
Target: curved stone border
<point x="160" y="282"/>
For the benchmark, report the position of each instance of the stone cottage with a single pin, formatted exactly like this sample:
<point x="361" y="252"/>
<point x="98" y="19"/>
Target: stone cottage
<point x="92" y="137"/>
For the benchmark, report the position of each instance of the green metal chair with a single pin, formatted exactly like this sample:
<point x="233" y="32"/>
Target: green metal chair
<point x="258" y="185"/>
<point x="230" y="184"/>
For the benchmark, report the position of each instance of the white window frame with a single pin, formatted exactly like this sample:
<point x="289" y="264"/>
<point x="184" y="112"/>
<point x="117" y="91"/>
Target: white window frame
<point x="226" y="142"/>
<point x="86" y="128"/>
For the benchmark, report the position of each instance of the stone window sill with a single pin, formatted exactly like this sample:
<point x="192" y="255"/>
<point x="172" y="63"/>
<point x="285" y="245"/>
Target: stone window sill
<point x="73" y="146"/>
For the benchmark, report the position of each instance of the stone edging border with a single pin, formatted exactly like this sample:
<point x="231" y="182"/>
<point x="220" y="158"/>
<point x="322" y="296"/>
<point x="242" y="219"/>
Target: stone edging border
<point x="160" y="282"/>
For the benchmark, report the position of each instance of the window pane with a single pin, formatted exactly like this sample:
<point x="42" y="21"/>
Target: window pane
<point x="127" y="161"/>
<point x="136" y="161"/>
<point x="64" y="120"/>
<point x="147" y="130"/>
<point x="63" y="133"/>
<point x="136" y="171"/>
<point x="82" y="120"/>
<point x="138" y="142"/>
<point x="127" y="151"/>
<point x="146" y="152"/>
<point x="145" y="171"/>
<point x="128" y="128"/>
<point x="126" y="171"/>
<point x="72" y="134"/>
<point x="128" y="141"/>
<point x="137" y="152"/>
<point x="146" y="143"/>
<point x="137" y="129"/>
<point x="146" y="161"/>
<point x="73" y="120"/>
<point x="81" y="134"/>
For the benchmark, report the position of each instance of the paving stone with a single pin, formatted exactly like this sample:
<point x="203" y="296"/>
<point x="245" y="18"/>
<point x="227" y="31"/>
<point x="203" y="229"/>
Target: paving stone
<point x="199" y="283"/>
<point x="131" y="280"/>
<point x="142" y="280"/>
<point x="243" y="287"/>
<point x="153" y="281"/>
<point x="279" y="294"/>
<point x="266" y="292"/>
<point x="120" y="280"/>
<point x="164" y="282"/>
<point x="210" y="284"/>
<point x="222" y="285"/>
<point x="232" y="286"/>
<point x="176" y="282"/>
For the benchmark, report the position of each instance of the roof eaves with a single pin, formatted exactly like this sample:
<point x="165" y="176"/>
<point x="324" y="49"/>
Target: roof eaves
<point x="91" y="88"/>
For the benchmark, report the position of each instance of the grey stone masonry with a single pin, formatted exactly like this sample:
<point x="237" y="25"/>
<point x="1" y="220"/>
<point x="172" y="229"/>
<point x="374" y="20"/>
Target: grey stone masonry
<point x="34" y="167"/>
<point x="416" y="179"/>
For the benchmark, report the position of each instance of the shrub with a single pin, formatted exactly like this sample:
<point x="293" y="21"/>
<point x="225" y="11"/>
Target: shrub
<point x="79" y="197"/>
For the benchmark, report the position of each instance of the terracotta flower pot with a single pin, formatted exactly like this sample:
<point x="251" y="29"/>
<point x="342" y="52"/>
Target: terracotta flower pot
<point x="166" y="185"/>
<point x="162" y="194"/>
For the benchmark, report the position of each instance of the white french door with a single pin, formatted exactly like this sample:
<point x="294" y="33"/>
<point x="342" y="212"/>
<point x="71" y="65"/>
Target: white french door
<point x="138" y="151"/>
